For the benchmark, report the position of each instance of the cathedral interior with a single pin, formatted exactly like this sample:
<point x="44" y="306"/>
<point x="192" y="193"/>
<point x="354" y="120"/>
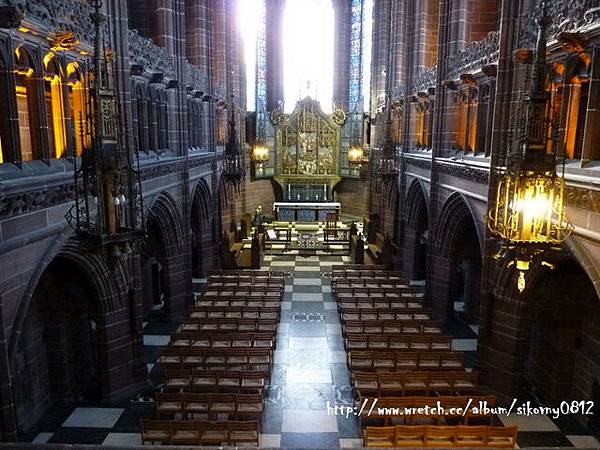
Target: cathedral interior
<point x="299" y="223"/>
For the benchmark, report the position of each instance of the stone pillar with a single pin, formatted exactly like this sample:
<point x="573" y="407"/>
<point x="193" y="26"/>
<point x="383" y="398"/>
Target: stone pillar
<point x="7" y="408"/>
<point x="501" y="331"/>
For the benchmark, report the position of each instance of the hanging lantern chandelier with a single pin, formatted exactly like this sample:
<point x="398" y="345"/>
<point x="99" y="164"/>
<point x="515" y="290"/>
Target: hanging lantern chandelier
<point x="260" y="151"/>
<point x="234" y="171"/>
<point x="528" y="214"/>
<point x="355" y="155"/>
<point x="108" y="210"/>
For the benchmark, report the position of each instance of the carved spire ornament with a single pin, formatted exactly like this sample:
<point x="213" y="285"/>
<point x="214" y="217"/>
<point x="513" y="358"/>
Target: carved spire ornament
<point x="108" y="210"/>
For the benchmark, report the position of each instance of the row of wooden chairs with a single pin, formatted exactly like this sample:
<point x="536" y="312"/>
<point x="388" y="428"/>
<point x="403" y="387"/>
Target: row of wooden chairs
<point x="203" y="433"/>
<point x="434" y="342"/>
<point x="200" y="380"/>
<point x="216" y="358"/>
<point x="439" y="382"/>
<point x="397" y="361"/>
<point x="228" y="325"/>
<point x="223" y="340"/>
<point x="208" y="406"/>
<point x="365" y="267"/>
<point x="378" y="303"/>
<point x="440" y="436"/>
<point x="237" y="312"/>
<point x="362" y="291"/>
<point x="238" y="280"/>
<point x="239" y="302"/>
<point x="248" y="291"/>
<point x="230" y="274"/>
<point x="380" y="314"/>
<point x="391" y="327"/>
<point x="351" y="282"/>
<point x="217" y="364"/>
<point x="394" y="410"/>
<point x="345" y="272"/>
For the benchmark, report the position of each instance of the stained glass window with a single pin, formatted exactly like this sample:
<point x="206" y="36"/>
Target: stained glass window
<point x="367" y="36"/>
<point x="252" y="22"/>
<point x="308" y="35"/>
<point x="356" y="27"/>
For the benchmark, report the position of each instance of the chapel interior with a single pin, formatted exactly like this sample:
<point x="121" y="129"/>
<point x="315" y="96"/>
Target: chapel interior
<point x="299" y="223"/>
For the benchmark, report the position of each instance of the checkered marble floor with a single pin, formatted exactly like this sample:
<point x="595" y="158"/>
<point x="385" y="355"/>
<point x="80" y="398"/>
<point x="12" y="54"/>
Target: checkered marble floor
<point x="309" y="370"/>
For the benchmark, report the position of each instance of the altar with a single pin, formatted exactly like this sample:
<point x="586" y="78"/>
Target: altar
<point x="306" y="211"/>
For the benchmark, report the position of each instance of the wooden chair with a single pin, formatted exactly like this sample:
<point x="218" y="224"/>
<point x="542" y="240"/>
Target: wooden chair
<point x="383" y="437"/>
<point x="410" y="436"/>
<point x="186" y="433"/>
<point x="439" y="436"/>
<point x="471" y="436"/>
<point x="155" y="432"/>
<point x="216" y="433"/>
<point x="501" y="437"/>
<point x="246" y="432"/>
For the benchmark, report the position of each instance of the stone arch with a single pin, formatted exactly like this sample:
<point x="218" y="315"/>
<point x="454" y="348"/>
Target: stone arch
<point x="202" y="221"/>
<point x="416" y="233"/>
<point x="456" y="261"/>
<point x="60" y="343"/>
<point x="164" y="269"/>
<point x="110" y="290"/>
<point x="559" y="323"/>
<point x="163" y="210"/>
<point x="392" y="213"/>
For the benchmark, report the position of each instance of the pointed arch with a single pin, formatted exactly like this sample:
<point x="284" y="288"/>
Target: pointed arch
<point x="416" y="232"/>
<point x="164" y="212"/>
<point x="456" y="261"/>
<point x="111" y="285"/>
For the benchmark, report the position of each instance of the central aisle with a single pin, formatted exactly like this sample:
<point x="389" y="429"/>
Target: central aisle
<point x="310" y="362"/>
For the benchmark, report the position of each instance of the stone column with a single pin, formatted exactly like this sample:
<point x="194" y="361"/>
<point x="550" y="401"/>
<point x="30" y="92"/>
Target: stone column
<point x="502" y="332"/>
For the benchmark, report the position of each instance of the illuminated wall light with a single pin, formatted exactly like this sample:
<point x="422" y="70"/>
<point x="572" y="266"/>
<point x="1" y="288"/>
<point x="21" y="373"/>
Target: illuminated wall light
<point x="26" y="72"/>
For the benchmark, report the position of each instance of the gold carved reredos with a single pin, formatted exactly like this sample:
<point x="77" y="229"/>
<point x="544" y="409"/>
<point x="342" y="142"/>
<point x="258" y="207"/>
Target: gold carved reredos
<point x="307" y="144"/>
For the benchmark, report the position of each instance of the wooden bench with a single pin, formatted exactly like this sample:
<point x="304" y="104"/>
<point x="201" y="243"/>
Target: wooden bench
<point x="208" y="406"/>
<point x="194" y="432"/>
<point x="237" y="312"/>
<point x="361" y="341"/>
<point x="223" y="340"/>
<point x="411" y="409"/>
<point x="219" y="358"/>
<point x="440" y="436"/>
<point x="391" y="327"/>
<point x="396" y="361"/>
<point x="187" y="380"/>
<point x="442" y="382"/>
<point x="231" y="325"/>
